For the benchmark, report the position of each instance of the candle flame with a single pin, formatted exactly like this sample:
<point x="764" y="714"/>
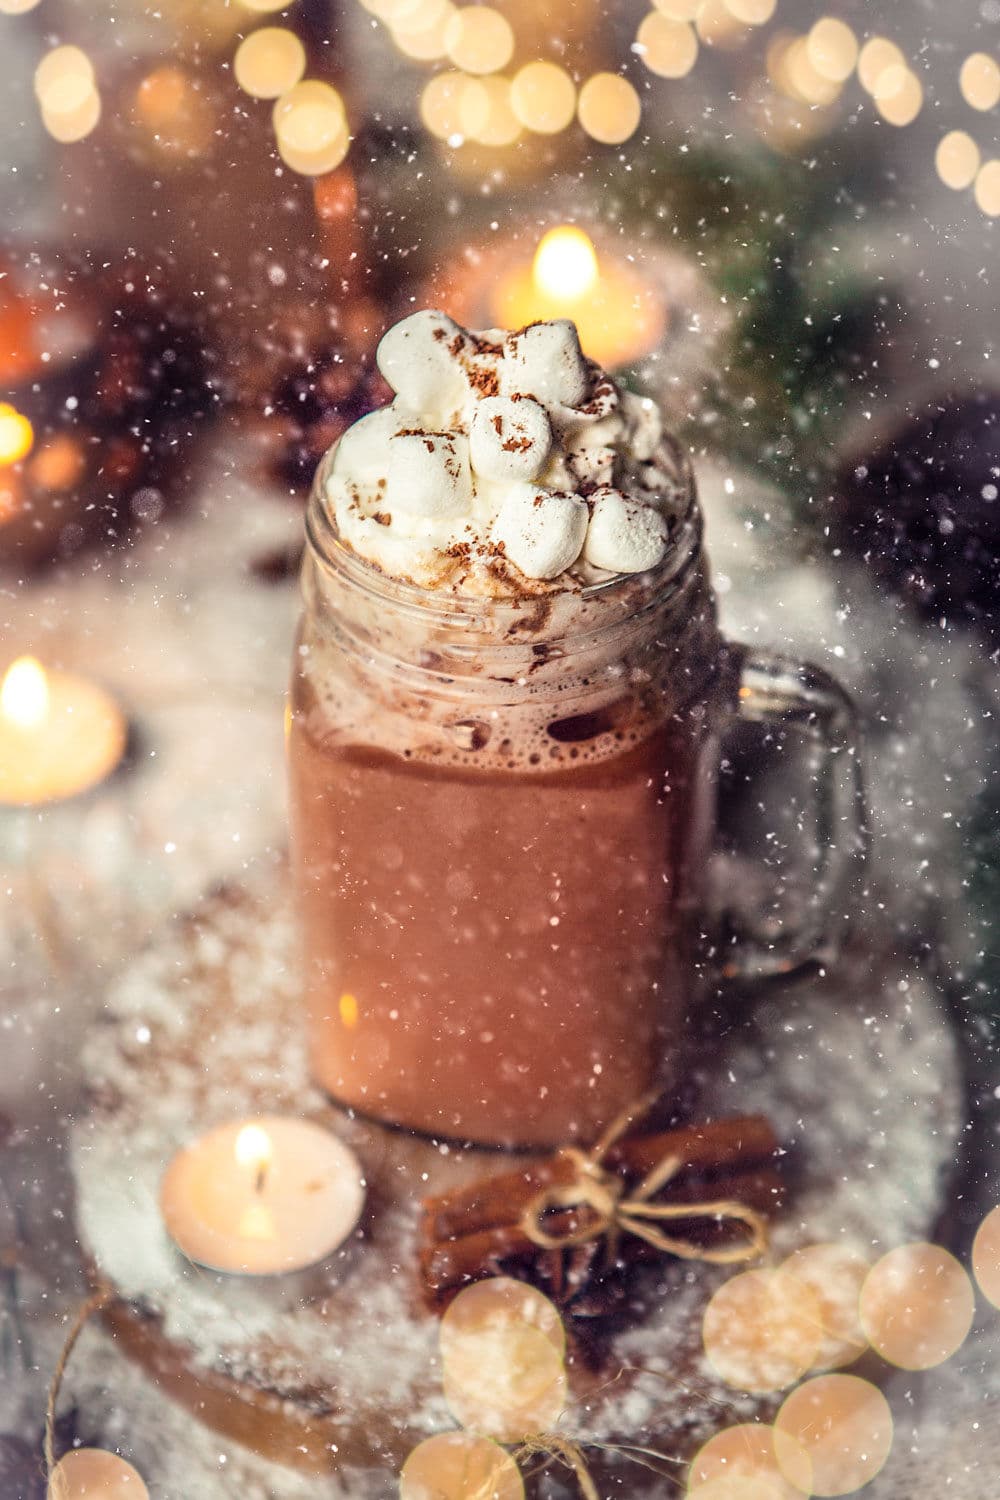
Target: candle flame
<point x="565" y="265"/>
<point x="24" y="694"/>
<point x="253" y="1148"/>
<point x="16" y="435"/>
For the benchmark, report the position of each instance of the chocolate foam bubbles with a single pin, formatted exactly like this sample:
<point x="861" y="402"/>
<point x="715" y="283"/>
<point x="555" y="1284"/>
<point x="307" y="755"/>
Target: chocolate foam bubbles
<point x="507" y="464"/>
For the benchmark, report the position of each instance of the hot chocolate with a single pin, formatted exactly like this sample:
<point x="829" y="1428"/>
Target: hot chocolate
<point x="506" y="704"/>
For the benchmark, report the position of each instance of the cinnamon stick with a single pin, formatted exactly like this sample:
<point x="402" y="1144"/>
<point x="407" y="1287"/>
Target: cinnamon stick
<point x="498" y="1201"/>
<point x="451" y="1263"/>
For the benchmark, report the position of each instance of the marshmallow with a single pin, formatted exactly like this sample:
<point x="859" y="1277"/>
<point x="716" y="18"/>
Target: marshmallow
<point x="363" y="450"/>
<point x="542" y="531"/>
<point x="643" y="425"/>
<point x="428" y="474"/>
<point x="509" y="439"/>
<point x="591" y="463"/>
<point x="545" y="361"/>
<point x="624" y="536"/>
<point x="421" y="359"/>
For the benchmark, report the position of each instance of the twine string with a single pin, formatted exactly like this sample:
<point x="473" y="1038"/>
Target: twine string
<point x="613" y="1215"/>
<point x="92" y="1305"/>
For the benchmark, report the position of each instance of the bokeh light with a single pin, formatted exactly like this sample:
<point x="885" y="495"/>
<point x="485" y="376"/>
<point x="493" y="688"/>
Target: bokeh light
<point x="843" y="1424"/>
<point x="175" y="112"/>
<point x="460" y="1466"/>
<point x="494" y="122"/>
<point x="609" y="108"/>
<point x="269" y="62"/>
<point x="876" y="57"/>
<point x="64" y="79"/>
<point x="16" y="7"/>
<point x="500" y="1302"/>
<point x="833" y="49"/>
<point x="505" y="1380"/>
<point x="957" y="159"/>
<point x="16" y="435"/>
<point x="264" y="7"/>
<point x="737" y="1487"/>
<point x="761" y="1331"/>
<point x="979" y="80"/>
<point x="669" y="48"/>
<point x="67" y="126"/>
<point x="310" y="126"/>
<point x="422" y="34"/>
<point x="916" y="1306"/>
<point x="987" y="189"/>
<point x="479" y="39"/>
<point x="439" y="104"/>
<point x="565" y="263"/>
<point x="794" y="72"/>
<point x="543" y="97"/>
<point x="752" y="12"/>
<point x="986" y="1250"/>
<point x="747" y="1453"/>
<point x="717" y="25"/>
<point x="834" y="1274"/>
<point x="899" y="96"/>
<point x="678" y="10"/>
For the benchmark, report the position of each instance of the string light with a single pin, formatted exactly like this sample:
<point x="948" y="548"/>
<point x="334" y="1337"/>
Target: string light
<point x="543" y="97"/>
<point x="979" y="80"/>
<point x="609" y="108"/>
<point x="876" y="57"/>
<point x="269" y="62"/>
<point x="833" y="49"/>
<point x="310" y="125"/>
<point x="752" y="12"/>
<point x="64" y="79"/>
<point x="439" y="104"/>
<point x="669" y="48"/>
<point x="479" y="39"/>
<point x="899" y="96"/>
<point x="957" y="159"/>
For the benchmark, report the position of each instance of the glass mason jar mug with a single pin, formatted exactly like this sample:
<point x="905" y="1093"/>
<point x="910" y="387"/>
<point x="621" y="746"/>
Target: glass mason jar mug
<point x="503" y="815"/>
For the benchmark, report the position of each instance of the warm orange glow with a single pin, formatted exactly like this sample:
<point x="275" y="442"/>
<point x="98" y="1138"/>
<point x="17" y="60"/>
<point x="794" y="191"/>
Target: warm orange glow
<point x="24" y="694"/>
<point x="172" y="108"/>
<point x="269" y="62"/>
<point x="609" y="108"/>
<point x="986" y="1257"/>
<point x="979" y="81"/>
<point x="744" y="1454"/>
<point x="761" y="1331"/>
<point x="877" y="56"/>
<point x="916" y="1306"/>
<point x="957" y="159"/>
<point x="504" y="1380"/>
<point x="16" y="435"/>
<point x="310" y="124"/>
<point x="479" y="39"/>
<point x="63" y="79"/>
<point x="500" y="1302"/>
<point x="845" y="1427"/>
<point x="89" y="1473"/>
<point x="68" y="126"/>
<point x="59" y="464"/>
<point x="834" y="1274"/>
<point x="833" y="49"/>
<point x="543" y="97"/>
<point x="252" y="1148"/>
<point x="565" y="264"/>
<point x="668" y="48"/>
<point x="348" y="1007"/>
<point x="257" y="1222"/>
<point x="460" y="1466"/>
<point x="899" y="96"/>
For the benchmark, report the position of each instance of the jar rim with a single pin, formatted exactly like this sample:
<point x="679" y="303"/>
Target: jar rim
<point x="326" y="545"/>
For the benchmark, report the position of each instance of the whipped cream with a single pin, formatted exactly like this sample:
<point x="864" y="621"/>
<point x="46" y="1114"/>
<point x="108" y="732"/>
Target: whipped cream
<point x="507" y="463"/>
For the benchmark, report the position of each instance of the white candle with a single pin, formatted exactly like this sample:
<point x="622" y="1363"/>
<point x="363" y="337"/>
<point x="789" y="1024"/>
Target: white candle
<point x="59" y="735"/>
<point x="259" y="1197"/>
<point x="93" y="1474"/>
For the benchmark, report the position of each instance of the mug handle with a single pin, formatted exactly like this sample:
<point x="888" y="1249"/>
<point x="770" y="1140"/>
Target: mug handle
<point x="791" y="697"/>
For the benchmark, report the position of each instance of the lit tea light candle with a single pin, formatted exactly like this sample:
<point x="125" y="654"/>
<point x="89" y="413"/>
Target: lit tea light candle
<point x="59" y="734"/>
<point x="93" y="1474"/>
<point x="259" y="1197"/>
<point x="621" y="317"/>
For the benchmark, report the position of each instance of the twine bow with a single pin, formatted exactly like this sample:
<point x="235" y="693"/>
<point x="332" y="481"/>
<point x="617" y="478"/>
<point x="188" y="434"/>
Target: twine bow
<point x="613" y="1214"/>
